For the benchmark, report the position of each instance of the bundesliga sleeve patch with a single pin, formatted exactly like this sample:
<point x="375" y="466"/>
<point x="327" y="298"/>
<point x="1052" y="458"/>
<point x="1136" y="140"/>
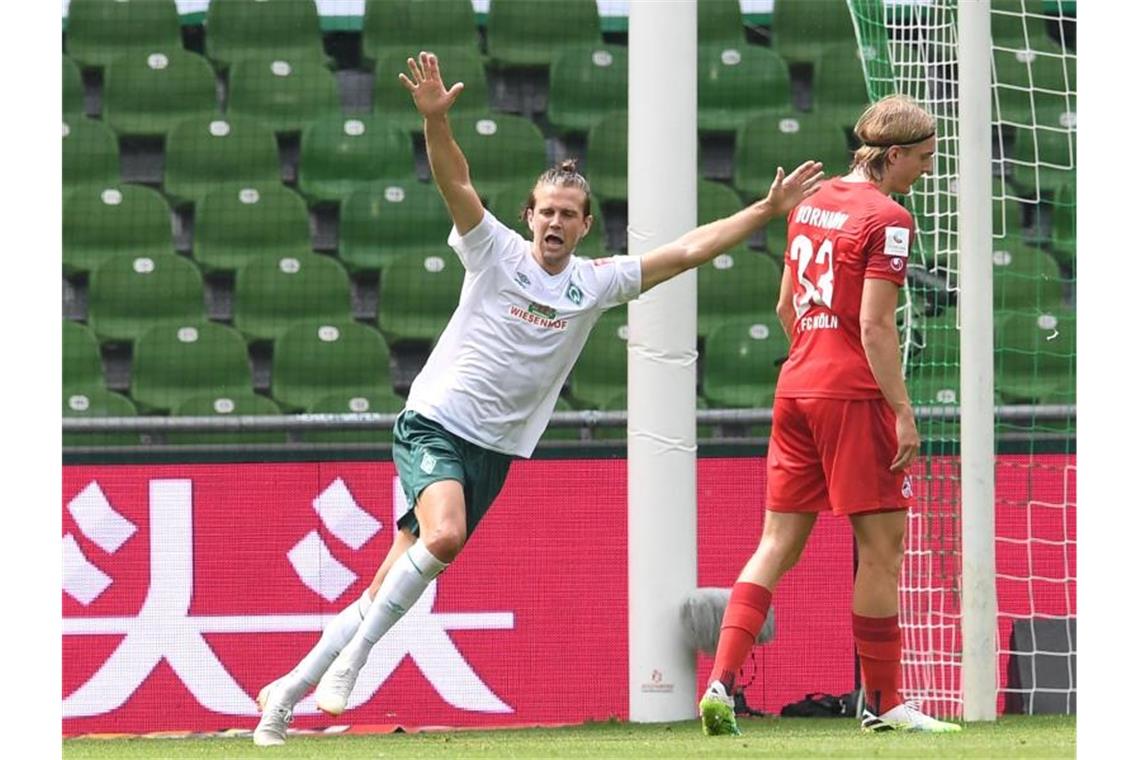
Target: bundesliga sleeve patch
<point x="898" y="242"/>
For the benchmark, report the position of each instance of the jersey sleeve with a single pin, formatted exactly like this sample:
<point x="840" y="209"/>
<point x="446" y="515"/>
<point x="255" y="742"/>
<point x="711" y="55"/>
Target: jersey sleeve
<point x="617" y="279"/>
<point x="482" y="244"/>
<point x="890" y="234"/>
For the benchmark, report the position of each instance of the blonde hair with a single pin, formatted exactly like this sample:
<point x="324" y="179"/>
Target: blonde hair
<point x="566" y="174"/>
<point x="894" y="120"/>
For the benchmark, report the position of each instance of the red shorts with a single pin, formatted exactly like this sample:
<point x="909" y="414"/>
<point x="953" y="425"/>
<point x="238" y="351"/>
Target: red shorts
<point x="834" y="454"/>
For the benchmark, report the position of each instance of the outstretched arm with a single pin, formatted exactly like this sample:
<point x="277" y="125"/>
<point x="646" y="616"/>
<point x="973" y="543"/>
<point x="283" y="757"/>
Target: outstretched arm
<point x="707" y="241"/>
<point x="448" y="164"/>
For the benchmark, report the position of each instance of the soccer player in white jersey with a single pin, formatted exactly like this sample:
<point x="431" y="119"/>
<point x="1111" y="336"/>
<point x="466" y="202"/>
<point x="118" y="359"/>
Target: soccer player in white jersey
<point x="489" y="387"/>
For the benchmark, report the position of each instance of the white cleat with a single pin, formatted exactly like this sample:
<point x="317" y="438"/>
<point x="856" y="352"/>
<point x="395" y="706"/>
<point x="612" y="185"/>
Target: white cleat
<point x="335" y="686"/>
<point x="906" y="717"/>
<point x="276" y="714"/>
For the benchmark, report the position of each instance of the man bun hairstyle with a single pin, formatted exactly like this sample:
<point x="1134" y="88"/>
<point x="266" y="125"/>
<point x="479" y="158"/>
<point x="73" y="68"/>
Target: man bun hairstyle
<point x="565" y="174"/>
<point x="894" y="120"/>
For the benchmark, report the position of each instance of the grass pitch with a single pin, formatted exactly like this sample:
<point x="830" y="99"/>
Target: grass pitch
<point x="1011" y="737"/>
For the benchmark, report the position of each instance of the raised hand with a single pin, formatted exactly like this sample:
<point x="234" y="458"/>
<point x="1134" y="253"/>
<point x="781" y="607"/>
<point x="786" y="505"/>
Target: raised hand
<point x="786" y="192"/>
<point x="426" y="86"/>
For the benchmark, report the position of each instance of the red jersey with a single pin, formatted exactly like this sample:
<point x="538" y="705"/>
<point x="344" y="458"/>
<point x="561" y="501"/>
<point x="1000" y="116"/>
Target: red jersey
<point x="845" y="233"/>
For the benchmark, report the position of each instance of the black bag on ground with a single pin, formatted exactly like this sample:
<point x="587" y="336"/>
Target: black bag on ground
<point x="820" y="705"/>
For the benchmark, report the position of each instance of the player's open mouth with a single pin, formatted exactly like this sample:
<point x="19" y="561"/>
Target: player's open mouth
<point x="552" y="240"/>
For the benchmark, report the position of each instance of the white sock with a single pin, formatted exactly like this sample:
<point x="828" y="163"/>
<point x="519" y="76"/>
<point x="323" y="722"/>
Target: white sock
<point x="403" y="585"/>
<point x="337" y="633"/>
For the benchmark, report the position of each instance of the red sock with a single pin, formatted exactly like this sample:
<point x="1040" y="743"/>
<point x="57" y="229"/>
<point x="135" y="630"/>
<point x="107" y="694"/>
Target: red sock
<point x="879" y="644"/>
<point x="743" y="619"/>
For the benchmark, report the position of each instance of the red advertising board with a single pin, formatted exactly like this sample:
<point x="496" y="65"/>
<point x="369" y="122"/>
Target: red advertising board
<point x="189" y="586"/>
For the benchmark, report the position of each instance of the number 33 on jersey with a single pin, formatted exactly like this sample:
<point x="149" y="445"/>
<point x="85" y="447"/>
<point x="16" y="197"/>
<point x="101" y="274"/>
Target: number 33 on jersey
<point x="844" y="234"/>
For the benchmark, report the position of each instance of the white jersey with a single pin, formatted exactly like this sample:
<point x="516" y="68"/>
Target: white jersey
<point x="495" y="374"/>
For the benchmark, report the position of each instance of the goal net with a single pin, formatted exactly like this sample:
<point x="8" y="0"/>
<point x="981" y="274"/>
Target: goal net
<point x="913" y="49"/>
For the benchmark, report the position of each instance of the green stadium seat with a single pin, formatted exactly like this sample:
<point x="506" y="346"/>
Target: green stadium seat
<point x="370" y="401"/>
<point x="313" y="360"/>
<point x="933" y="379"/>
<point x="600" y="372"/>
<point x="528" y="33"/>
<point x="241" y="403"/>
<point x="288" y="30"/>
<point x="99" y="31"/>
<point x="737" y="285"/>
<point x="586" y="83"/>
<point x="272" y="292"/>
<point x="1035" y="89"/>
<point x="90" y="153"/>
<point x="742" y="363"/>
<point x="130" y="293"/>
<point x="940" y="340"/>
<point x="776" y="238"/>
<point x="1064" y="210"/>
<point x="736" y="84"/>
<point x="936" y="387"/>
<point x="785" y="139"/>
<point x="418" y="293"/>
<point x="501" y="150"/>
<point x="204" y="153"/>
<point x="101" y="223"/>
<point x="236" y="223"/>
<point x="73" y="93"/>
<point x="82" y="362"/>
<point x="801" y="31"/>
<point x="284" y="94"/>
<point x="405" y="27"/>
<point x="340" y="154"/>
<point x="175" y="361"/>
<point x="715" y="201"/>
<point x="96" y="401"/>
<point x="1018" y="23"/>
<point x="839" y="90"/>
<point x="392" y="102"/>
<point x="606" y="152"/>
<point x="147" y="94"/>
<point x="1035" y="357"/>
<point x="507" y="205"/>
<point x="1045" y="159"/>
<point x="383" y="221"/>
<point x="719" y="24"/>
<point x="1025" y="278"/>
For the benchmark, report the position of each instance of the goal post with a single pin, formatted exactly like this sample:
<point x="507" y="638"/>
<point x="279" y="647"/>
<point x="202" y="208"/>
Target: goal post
<point x="979" y="590"/>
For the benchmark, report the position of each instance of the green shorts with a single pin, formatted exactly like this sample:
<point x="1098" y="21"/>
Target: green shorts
<point x="426" y="453"/>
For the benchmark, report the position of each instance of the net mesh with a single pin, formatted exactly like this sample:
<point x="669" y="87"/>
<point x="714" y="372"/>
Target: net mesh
<point x="913" y="49"/>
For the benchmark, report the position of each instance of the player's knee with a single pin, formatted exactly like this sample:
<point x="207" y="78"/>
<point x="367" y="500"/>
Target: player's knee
<point x="783" y="553"/>
<point x="445" y="541"/>
<point x="885" y="559"/>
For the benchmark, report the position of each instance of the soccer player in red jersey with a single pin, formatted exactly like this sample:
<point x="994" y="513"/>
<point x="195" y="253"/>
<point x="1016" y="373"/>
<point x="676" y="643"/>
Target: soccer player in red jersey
<point x="843" y="430"/>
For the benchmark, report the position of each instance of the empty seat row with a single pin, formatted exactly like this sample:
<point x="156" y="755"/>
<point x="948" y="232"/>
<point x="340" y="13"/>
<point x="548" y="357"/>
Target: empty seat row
<point x="147" y="93"/>
<point x="1034" y="358"/>
<point x="337" y="154"/>
<point x="174" y="361"/>
<point x="128" y="294"/>
<point x="233" y="223"/>
<point x="517" y="32"/>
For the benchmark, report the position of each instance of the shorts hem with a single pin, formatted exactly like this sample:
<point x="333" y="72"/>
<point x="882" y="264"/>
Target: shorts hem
<point x="816" y="507"/>
<point x="873" y="508"/>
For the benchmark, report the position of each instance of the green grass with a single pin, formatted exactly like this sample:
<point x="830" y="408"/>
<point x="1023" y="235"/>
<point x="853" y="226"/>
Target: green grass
<point x="1012" y="737"/>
